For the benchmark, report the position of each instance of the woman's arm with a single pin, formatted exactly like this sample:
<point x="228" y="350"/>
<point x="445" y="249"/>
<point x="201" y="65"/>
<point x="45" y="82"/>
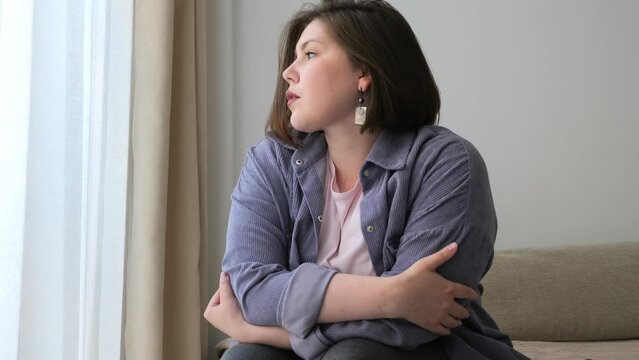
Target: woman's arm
<point x="224" y="313"/>
<point x="468" y="265"/>
<point x="419" y="295"/>
<point x="257" y="259"/>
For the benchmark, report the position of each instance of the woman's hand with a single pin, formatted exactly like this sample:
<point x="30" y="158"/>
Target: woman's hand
<point x="224" y="313"/>
<point x="427" y="299"/>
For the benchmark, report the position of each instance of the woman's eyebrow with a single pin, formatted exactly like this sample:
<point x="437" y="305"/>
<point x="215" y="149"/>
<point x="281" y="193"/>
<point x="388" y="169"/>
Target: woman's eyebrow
<point x="307" y="42"/>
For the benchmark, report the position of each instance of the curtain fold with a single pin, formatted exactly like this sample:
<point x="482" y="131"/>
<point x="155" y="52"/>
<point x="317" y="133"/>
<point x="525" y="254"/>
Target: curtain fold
<point x="168" y="209"/>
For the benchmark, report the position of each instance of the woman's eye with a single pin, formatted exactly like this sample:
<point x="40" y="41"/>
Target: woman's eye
<point x="310" y="54"/>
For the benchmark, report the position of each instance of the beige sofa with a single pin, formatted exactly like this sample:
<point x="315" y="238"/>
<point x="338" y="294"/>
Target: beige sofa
<point x="573" y="302"/>
<point x="565" y="303"/>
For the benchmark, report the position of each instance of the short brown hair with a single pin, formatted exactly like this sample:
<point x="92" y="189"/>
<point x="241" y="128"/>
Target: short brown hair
<point x="403" y="95"/>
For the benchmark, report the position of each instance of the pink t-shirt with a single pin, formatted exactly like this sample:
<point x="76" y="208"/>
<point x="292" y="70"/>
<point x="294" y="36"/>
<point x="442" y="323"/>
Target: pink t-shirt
<point x="341" y="243"/>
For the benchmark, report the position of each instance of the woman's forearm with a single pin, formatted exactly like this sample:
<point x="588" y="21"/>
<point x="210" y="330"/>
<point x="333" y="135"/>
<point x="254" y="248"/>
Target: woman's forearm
<point x="357" y="297"/>
<point x="348" y="297"/>
<point x="419" y="294"/>
<point x="269" y="335"/>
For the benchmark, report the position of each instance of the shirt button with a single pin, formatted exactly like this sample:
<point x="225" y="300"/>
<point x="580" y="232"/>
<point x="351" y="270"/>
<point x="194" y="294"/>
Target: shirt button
<point x="367" y="173"/>
<point x="319" y="218"/>
<point x="299" y="161"/>
<point x="370" y="228"/>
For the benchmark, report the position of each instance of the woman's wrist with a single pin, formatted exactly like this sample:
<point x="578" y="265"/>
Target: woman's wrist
<point x="267" y="335"/>
<point x="240" y="331"/>
<point x="251" y="334"/>
<point x="393" y="287"/>
<point x="356" y="297"/>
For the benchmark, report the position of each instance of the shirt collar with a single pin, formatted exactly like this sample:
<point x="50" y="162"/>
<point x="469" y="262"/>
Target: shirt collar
<point x="312" y="150"/>
<point x="390" y="151"/>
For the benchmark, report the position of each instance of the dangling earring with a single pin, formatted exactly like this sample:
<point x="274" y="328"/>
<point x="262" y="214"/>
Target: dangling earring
<point x="360" y="111"/>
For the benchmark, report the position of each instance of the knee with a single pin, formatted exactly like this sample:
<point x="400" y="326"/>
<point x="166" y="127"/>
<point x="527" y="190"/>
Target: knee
<point x="245" y="351"/>
<point x="239" y="351"/>
<point x="349" y="349"/>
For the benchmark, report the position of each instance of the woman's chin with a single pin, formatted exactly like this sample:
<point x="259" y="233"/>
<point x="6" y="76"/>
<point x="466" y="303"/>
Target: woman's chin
<point x="303" y="126"/>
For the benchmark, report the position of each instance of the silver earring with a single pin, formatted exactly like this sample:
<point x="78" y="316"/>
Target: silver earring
<point x="360" y="110"/>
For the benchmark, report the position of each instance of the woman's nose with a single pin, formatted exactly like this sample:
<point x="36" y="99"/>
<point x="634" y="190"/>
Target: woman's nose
<point x="289" y="74"/>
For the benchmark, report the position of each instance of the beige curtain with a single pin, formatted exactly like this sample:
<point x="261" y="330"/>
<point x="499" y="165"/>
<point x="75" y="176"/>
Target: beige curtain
<point x="165" y="296"/>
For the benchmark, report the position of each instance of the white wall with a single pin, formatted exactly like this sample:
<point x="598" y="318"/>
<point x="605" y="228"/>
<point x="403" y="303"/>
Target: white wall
<point x="546" y="90"/>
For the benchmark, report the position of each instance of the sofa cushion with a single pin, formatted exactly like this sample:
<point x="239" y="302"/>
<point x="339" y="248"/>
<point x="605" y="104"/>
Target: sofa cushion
<point x="571" y="293"/>
<point x="609" y="350"/>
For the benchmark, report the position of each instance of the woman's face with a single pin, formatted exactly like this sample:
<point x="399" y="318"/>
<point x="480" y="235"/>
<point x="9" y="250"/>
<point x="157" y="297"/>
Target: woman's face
<point x="322" y="82"/>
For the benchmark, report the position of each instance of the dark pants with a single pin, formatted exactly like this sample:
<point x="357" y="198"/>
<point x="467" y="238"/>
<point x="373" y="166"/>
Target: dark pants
<point x="351" y="349"/>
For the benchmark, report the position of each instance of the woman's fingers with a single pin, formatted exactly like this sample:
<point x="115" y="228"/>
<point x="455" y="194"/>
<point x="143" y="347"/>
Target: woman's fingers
<point x="451" y="322"/>
<point x="441" y="330"/>
<point x="439" y="258"/>
<point x="457" y="311"/>
<point x="459" y="291"/>
<point x="215" y="300"/>
<point x="430" y="300"/>
<point x="223" y="293"/>
<point x="226" y="292"/>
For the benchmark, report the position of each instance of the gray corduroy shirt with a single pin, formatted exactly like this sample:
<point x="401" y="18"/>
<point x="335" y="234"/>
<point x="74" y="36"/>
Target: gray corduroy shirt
<point x="421" y="191"/>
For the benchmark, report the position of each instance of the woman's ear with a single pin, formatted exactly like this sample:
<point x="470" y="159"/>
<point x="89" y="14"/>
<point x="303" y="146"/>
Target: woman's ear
<point x="364" y="79"/>
<point x="364" y="82"/>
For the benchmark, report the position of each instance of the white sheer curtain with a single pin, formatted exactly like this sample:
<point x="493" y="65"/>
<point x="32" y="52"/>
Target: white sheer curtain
<point x="65" y="85"/>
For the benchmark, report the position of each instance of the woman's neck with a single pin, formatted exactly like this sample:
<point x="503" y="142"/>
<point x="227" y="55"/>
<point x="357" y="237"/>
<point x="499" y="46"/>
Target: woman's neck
<point x="348" y="149"/>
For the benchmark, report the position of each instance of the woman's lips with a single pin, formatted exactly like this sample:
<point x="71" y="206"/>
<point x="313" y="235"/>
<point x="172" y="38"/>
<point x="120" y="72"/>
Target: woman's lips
<point x="291" y="97"/>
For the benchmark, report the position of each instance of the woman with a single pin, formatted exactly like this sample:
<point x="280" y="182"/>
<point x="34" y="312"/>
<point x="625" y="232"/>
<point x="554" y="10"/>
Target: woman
<point x="358" y="228"/>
